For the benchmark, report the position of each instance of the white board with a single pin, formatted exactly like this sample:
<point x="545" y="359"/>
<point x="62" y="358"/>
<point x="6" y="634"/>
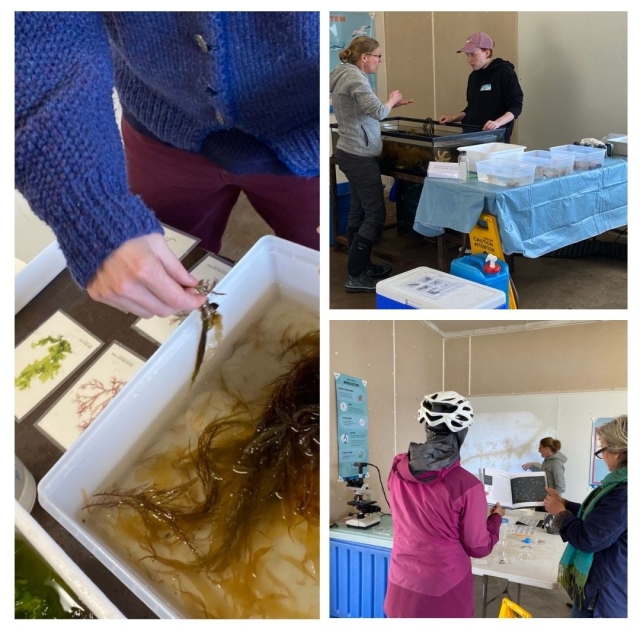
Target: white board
<point x="507" y="430"/>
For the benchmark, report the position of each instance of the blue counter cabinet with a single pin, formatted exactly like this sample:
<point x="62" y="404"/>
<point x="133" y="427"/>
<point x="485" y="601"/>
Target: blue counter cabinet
<point x="358" y="579"/>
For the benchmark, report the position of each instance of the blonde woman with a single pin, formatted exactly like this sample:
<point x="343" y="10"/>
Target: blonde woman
<point x="358" y="111"/>
<point x="552" y="464"/>
<point x="593" y="567"/>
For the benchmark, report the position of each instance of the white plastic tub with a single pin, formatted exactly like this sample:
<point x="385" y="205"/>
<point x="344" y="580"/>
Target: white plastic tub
<point x="38" y="258"/>
<point x="490" y="151"/>
<point x="132" y="421"/>
<point x="61" y="563"/>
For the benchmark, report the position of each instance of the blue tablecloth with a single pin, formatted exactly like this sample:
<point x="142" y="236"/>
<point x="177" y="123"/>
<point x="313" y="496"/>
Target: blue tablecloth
<point x="533" y="220"/>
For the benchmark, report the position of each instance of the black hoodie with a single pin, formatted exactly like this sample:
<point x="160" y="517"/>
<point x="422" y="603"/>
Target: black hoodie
<point x="491" y="92"/>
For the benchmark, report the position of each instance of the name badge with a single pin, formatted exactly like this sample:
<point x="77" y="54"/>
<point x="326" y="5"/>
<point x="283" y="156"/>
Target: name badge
<point x="485" y="87"/>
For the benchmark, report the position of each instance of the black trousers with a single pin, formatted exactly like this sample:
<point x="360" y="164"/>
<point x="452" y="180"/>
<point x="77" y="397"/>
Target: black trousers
<point x="367" y="211"/>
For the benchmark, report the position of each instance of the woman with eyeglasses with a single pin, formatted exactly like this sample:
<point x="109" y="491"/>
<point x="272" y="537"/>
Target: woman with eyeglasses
<point x="358" y="111"/>
<point x="552" y="464"/>
<point x="593" y="567"/>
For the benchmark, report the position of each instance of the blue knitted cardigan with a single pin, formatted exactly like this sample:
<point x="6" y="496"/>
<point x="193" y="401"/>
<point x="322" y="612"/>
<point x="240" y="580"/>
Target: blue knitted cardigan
<point x="240" y="87"/>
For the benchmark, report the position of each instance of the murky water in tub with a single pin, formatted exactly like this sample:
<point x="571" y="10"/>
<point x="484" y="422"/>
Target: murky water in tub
<point x="222" y="512"/>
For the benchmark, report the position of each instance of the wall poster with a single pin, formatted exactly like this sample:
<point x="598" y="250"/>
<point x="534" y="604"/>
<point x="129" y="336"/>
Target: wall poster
<point x="345" y="26"/>
<point x="352" y="412"/>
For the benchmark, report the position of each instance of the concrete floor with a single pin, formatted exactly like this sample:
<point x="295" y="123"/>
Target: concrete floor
<point x="540" y="603"/>
<point x="245" y="228"/>
<point x="592" y="282"/>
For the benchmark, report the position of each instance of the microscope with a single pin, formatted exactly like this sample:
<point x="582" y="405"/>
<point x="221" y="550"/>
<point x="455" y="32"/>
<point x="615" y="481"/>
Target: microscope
<point x="367" y="509"/>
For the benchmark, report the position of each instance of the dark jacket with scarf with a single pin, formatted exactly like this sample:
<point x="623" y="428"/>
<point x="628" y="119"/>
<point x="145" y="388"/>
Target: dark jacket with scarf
<point x="603" y="533"/>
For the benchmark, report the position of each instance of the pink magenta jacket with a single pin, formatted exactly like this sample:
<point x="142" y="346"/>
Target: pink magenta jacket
<point x="438" y="526"/>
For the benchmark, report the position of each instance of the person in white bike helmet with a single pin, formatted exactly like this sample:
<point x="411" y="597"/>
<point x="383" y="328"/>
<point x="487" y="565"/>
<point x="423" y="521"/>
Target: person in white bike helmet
<point x="440" y="521"/>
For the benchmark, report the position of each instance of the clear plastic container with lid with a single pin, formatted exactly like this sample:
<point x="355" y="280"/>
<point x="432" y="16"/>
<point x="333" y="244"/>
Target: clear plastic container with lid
<point x="505" y="173"/>
<point x="585" y="158"/>
<point x="547" y="165"/>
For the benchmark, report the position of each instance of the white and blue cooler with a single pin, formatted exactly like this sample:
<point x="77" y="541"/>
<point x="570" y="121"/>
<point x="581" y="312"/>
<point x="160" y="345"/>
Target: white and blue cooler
<point x="425" y="288"/>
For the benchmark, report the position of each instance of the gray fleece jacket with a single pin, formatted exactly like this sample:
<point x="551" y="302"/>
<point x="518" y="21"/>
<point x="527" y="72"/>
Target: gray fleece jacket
<point x="358" y="111"/>
<point x="554" y="468"/>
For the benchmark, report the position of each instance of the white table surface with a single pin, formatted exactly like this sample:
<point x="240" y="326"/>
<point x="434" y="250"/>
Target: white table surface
<point x="540" y="571"/>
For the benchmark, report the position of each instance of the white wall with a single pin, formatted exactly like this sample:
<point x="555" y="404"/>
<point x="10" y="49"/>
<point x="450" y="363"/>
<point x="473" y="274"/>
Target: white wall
<point x="572" y="67"/>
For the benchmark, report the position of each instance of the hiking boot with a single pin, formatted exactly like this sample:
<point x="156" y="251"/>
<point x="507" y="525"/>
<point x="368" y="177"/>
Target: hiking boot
<point x="378" y="271"/>
<point x="362" y="283"/>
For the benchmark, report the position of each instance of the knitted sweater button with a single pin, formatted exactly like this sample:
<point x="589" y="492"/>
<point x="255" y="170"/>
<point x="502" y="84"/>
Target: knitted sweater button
<point x="202" y="43"/>
<point x="219" y="117"/>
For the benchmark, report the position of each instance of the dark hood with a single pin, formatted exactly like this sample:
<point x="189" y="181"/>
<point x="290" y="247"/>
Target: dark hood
<point x="440" y="450"/>
<point x="493" y="67"/>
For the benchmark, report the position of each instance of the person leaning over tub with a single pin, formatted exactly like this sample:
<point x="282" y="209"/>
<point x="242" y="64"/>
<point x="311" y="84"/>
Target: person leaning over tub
<point x="494" y="95"/>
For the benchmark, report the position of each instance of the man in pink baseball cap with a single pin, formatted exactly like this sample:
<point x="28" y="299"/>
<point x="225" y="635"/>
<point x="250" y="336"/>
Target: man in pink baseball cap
<point x="494" y="95"/>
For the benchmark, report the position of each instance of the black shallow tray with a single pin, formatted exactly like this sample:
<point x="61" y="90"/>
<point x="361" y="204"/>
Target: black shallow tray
<point x="429" y="130"/>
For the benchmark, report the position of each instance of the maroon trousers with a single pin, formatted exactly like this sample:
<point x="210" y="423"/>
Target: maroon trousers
<point x="192" y="194"/>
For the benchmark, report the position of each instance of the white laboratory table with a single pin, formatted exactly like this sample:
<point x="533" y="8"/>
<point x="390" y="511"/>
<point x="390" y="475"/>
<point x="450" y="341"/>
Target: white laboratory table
<point x="534" y="564"/>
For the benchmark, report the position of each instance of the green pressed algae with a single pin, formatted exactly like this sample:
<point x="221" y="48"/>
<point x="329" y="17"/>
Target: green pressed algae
<point x="48" y="367"/>
<point x="39" y="590"/>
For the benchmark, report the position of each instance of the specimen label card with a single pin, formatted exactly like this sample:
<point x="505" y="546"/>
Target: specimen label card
<point x="67" y="420"/>
<point x="179" y="242"/>
<point x="47" y="357"/>
<point x="158" y="329"/>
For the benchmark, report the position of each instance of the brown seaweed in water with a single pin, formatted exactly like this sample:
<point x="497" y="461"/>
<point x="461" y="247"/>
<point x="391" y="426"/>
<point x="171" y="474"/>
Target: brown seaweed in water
<point x="210" y="319"/>
<point x="276" y="465"/>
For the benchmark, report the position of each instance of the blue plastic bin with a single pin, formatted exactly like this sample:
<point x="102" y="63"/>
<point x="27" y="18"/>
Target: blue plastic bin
<point x="343" y="211"/>
<point x="471" y="267"/>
